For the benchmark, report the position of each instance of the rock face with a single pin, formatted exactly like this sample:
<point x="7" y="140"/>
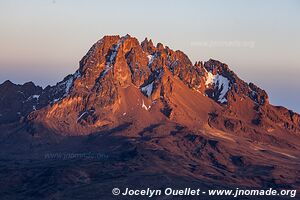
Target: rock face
<point x="117" y="68"/>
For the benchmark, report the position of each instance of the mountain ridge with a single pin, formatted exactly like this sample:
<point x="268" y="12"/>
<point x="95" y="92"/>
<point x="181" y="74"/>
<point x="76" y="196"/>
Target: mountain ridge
<point x="116" y="62"/>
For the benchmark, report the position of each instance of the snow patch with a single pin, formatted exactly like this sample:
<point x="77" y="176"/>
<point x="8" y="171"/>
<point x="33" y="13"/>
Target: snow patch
<point x="107" y="69"/>
<point x="113" y="55"/>
<point x="112" y="58"/>
<point x="148" y="89"/>
<point x="36" y="96"/>
<point x="221" y="83"/>
<point x="55" y="100"/>
<point x="82" y="115"/>
<point x="209" y="79"/>
<point x="150" y="59"/>
<point x="68" y="83"/>
<point x="145" y="107"/>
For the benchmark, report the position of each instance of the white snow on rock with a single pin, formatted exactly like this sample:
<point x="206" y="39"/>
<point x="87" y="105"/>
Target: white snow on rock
<point x="65" y="86"/>
<point x="113" y="55"/>
<point x="107" y="69"/>
<point x="145" y="107"/>
<point x="112" y="58"/>
<point x="82" y="115"/>
<point x="209" y="79"/>
<point x="69" y="83"/>
<point x="55" y="100"/>
<point x="221" y="83"/>
<point x="36" y="96"/>
<point x="148" y="89"/>
<point x="150" y="59"/>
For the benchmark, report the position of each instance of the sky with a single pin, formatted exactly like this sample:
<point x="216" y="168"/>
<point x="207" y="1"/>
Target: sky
<point x="43" y="40"/>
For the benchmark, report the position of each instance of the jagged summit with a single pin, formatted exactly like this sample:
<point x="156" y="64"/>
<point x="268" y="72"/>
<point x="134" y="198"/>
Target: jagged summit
<point x="119" y="76"/>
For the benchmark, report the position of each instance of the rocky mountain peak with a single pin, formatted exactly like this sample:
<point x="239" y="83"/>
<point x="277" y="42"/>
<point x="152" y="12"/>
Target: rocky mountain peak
<point x="147" y="46"/>
<point x="7" y="83"/>
<point x="120" y="76"/>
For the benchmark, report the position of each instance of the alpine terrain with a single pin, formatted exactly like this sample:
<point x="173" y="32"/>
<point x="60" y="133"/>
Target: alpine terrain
<point x="141" y="115"/>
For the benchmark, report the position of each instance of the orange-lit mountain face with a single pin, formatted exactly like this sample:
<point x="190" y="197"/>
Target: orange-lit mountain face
<point x="121" y="80"/>
<point x="199" y="121"/>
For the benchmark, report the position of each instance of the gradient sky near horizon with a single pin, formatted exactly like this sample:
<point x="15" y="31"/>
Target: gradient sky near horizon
<point x="43" y="40"/>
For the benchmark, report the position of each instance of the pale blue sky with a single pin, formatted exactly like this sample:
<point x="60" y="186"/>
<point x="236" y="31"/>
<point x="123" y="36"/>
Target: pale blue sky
<point x="43" y="40"/>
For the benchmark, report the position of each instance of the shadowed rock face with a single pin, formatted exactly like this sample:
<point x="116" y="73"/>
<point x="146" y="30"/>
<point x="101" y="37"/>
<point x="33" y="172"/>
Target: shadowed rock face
<point x="18" y="101"/>
<point x="153" y="112"/>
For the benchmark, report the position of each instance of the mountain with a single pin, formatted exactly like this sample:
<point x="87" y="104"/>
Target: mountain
<point x="119" y="75"/>
<point x="156" y="114"/>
